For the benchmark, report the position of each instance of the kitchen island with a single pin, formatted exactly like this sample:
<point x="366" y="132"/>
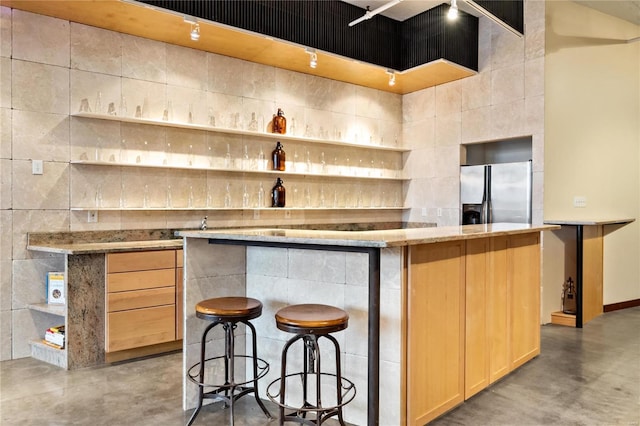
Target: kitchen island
<point x="436" y="314"/>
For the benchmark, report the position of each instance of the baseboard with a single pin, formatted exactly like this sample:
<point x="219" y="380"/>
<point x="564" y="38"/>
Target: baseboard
<point x="622" y="305"/>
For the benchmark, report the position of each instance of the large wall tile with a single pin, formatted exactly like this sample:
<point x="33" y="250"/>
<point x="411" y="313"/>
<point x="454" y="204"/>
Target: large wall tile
<point x="448" y="129"/>
<point x="186" y="67"/>
<point x="307" y="265"/>
<point x="258" y="81"/>
<point x="39" y="38"/>
<point x="223" y="73"/>
<point x="5" y="82"/>
<point x="38" y="87"/>
<point x="506" y="49"/>
<point x="267" y="262"/>
<point x="149" y="96"/>
<point x="290" y="88"/>
<point x="448" y="99"/>
<point x="319" y="94"/>
<point x="144" y="59"/>
<point x="476" y="91"/>
<point x="97" y="50"/>
<point x="6" y="183"/>
<point x="476" y="125"/>
<point x="5" y="132"/>
<point x="99" y="89"/>
<point x="186" y="101"/>
<point x="6" y="237"/>
<point x="534" y="77"/>
<point x="39" y="135"/>
<point x="419" y="105"/>
<point x="107" y="220"/>
<point x="507" y="84"/>
<point x="5" y="32"/>
<point x="508" y="120"/>
<point x="534" y="113"/>
<point x="26" y="221"/>
<point x="47" y="191"/>
<point x="97" y="140"/>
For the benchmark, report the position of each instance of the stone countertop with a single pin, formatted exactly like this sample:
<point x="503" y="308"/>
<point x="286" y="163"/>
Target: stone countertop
<point x="86" y="242"/>
<point x="574" y="222"/>
<point x="380" y="238"/>
<point x="107" y="247"/>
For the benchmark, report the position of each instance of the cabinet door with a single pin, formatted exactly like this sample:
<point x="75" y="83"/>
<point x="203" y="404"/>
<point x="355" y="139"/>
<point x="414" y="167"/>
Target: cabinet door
<point x="140" y="327"/>
<point x="498" y="308"/>
<point x="435" y="330"/>
<point x="476" y="358"/>
<point x="524" y="286"/>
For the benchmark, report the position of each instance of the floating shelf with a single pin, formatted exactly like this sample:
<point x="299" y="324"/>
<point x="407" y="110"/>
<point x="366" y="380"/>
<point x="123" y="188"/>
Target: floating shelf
<point x="224" y="209"/>
<point x="59" y="310"/>
<point x="221" y="170"/>
<point x="274" y="136"/>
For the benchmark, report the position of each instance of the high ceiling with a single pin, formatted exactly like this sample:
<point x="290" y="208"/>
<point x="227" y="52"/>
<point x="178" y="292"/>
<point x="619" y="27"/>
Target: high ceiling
<point x="627" y="10"/>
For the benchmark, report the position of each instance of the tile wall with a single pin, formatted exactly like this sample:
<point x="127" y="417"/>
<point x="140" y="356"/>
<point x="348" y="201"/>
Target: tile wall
<point x="47" y="66"/>
<point x="504" y="100"/>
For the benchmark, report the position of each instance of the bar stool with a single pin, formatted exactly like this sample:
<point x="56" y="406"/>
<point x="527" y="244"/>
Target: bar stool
<point x="309" y="322"/>
<point x="228" y="311"/>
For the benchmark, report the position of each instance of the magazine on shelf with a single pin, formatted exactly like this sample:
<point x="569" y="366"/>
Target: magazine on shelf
<point x="55" y="288"/>
<point x="55" y="336"/>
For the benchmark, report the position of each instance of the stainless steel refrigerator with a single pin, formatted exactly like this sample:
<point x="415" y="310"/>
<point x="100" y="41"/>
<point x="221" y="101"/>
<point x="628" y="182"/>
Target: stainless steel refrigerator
<point x="491" y="193"/>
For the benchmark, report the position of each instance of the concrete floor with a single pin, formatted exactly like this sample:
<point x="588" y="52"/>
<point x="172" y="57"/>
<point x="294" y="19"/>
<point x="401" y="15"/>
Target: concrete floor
<point x="583" y="377"/>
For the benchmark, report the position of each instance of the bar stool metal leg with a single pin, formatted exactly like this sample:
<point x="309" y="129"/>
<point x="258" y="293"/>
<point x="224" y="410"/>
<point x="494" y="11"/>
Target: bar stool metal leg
<point x="201" y="373"/>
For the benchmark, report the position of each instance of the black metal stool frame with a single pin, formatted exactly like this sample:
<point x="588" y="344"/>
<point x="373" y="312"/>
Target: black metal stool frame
<point x="312" y="365"/>
<point x="229" y="324"/>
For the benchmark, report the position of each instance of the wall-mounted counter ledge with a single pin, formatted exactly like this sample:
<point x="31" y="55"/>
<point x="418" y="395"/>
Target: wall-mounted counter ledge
<point x="107" y="247"/>
<point x="378" y="238"/>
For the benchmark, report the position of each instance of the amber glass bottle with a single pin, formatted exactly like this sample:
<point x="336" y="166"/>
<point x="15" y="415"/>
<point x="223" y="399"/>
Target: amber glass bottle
<point x="279" y="157"/>
<point x="279" y="123"/>
<point x="278" y="194"/>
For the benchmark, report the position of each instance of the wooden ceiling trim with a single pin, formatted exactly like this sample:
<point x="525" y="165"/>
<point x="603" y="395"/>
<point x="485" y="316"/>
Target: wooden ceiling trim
<point x="168" y="27"/>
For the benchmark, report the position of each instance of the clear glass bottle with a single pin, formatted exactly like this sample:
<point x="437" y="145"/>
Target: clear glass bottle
<point x="261" y="196"/>
<point x="279" y="123"/>
<point x="253" y="124"/>
<point x="262" y="164"/>
<point x="279" y="157"/>
<point x="278" y="194"/>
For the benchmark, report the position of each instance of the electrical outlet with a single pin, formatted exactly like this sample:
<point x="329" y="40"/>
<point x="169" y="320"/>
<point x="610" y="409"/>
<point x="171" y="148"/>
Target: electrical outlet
<point x="287" y="214"/>
<point x="579" y="201"/>
<point x="92" y="216"/>
<point x="439" y="213"/>
<point x="423" y="213"/>
<point x="37" y="167"/>
<point x="256" y="214"/>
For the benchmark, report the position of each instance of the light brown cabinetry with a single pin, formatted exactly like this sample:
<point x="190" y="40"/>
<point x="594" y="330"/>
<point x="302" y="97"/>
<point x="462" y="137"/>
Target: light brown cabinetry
<point x="140" y="299"/>
<point x="179" y="294"/>
<point x="473" y="316"/>
<point x="435" y="330"/>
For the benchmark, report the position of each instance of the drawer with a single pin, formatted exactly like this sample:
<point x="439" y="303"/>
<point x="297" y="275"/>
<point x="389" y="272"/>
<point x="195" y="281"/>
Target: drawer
<point x="140" y="327"/>
<point x="140" y="261"/>
<point x="137" y="299"/>
<point x="179" y="258"/>
<point x="126" y="281"/>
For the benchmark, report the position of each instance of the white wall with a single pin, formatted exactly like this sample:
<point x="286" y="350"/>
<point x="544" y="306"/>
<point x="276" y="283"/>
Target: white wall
<point x="592" y="135"/>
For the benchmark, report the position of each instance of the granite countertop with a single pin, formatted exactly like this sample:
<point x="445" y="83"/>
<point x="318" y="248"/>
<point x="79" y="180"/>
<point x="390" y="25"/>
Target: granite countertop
<point x="86" y="242"/>
<point x="379" y="238"/>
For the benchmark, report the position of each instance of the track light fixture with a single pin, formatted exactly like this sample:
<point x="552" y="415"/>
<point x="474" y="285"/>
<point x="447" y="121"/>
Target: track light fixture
<point x="392" y="77"/>
<point x="313" y="57"/>
<point x="371" y="13"/>
<point x="195" y="28"/>
<point x="453" y="11"/>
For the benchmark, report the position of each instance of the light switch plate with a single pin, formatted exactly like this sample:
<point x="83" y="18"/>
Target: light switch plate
<point x="92" y="216"/>
<point x="579" y="201"/>
<point x="37" y="167"/>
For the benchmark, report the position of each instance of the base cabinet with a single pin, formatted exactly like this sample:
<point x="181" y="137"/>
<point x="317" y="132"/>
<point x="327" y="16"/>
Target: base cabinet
<point x="140" y="299"/>
<point x="473" y="316"/>
<point x="435" y="330"/>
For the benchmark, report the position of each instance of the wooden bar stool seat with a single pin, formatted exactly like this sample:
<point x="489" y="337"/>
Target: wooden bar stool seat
<point x="309" y="322"/>
<point x="228" y="312"/>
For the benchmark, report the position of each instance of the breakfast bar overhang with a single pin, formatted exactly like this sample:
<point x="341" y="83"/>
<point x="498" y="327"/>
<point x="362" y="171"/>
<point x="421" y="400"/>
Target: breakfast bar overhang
<point x="280" y="266"/>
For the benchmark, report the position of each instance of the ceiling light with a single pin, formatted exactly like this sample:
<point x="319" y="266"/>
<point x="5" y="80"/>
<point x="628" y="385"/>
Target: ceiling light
<point x="453" y="11"/>
<point x="392" y="77"/>
<point x="195" y="28"/>
<point x="371" y="13"/>
<point x="313" y="57"/>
